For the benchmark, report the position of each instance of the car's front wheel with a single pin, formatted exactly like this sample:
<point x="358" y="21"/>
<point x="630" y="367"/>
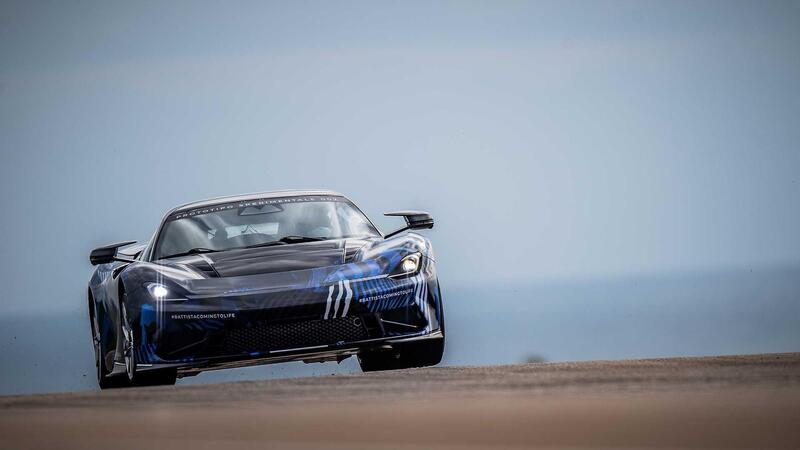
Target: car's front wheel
<point x="412" y="354"/>
<point x="104" y="381"/>
<point x="135" y="376"/>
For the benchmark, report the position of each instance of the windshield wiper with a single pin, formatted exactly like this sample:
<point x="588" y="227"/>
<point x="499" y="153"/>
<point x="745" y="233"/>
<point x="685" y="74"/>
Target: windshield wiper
<point x="286" y="240"/>
<point x="294" y="239"/>
<point x="192" y="251"/>
<point x="282" y="241"/>
<point x="263" y="244"/>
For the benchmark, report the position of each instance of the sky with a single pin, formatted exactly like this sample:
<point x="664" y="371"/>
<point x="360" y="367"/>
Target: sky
<point x="550" y="140"/>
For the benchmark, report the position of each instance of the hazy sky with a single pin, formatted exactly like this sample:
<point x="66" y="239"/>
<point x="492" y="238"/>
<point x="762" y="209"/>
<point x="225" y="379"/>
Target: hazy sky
<point x="550" y="140"/>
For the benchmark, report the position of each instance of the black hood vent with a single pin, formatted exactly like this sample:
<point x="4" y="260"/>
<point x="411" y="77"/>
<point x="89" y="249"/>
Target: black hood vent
<point x="207" y="269"/>
<point x="196" y="263"/>
<point x="277" y="258"/>
<point x="350" y="252"/>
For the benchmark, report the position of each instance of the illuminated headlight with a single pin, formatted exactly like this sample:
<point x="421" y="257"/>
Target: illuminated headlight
<point x="408" y="266"/>
<point x="157" y="290"/>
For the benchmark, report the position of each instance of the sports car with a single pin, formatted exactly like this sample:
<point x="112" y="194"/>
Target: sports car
<point x="265" y="278"/>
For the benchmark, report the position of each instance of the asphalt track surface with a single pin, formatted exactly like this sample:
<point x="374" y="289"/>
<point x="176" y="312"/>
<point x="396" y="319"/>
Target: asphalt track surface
<point x="712" y="402"/>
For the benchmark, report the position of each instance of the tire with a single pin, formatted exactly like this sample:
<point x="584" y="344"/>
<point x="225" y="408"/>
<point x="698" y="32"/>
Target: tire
<point x="104" y="381"/>
<point x="405" y="356"/>
<point x="135" y="377"/>
<point x="413" y="354"/>
<point x="129" y="341"/>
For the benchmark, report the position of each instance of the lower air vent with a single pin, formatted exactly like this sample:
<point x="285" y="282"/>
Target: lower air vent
<point x="295" y="335"/>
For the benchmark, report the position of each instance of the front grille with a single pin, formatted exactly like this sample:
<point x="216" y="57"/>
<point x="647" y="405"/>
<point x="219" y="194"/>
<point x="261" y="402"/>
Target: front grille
<point x="295" y="335"/>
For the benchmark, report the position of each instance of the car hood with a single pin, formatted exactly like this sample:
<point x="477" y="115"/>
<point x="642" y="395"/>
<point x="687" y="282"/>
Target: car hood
<point x="278" y="268"/>
<point x="278" y="258"/>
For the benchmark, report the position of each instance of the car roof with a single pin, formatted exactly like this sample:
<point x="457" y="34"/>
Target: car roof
<point x="254" y="196"/>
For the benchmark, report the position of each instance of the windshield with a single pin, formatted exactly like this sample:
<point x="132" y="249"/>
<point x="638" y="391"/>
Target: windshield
<point x="256" y="222"/>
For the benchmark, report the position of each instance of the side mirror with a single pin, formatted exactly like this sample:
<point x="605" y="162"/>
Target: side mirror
<point x="415" y="220"/>
<point x="107" y="254"/>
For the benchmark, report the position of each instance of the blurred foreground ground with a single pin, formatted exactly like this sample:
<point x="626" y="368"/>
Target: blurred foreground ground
<point x="715" y="402"/>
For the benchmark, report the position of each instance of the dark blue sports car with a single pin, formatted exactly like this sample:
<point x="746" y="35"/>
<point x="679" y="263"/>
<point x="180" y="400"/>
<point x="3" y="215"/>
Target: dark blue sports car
<point x="264" y="278"/>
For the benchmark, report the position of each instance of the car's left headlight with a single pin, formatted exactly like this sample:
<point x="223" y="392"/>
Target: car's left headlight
<point x="157" y="290"/>
<point x="160" y="292"/>
<point x="408" y="266"/>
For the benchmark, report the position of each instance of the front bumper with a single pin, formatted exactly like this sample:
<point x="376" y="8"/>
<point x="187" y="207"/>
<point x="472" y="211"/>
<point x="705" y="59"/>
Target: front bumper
<point x="308" y="355"/>
<point x="305" y="321"/>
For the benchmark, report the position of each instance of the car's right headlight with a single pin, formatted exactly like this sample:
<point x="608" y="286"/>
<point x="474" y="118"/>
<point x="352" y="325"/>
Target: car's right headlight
<point x="408" y="266"/>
